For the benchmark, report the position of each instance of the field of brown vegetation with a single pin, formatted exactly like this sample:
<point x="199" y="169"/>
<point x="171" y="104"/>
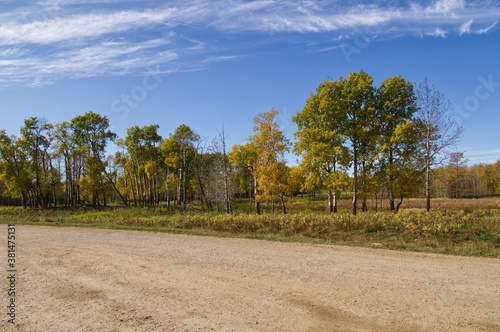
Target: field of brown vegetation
<point x="411" y="203"/>
<point x="463" y="226"/>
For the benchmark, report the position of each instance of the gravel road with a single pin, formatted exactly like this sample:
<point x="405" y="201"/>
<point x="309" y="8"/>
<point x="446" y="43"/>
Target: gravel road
<point x="76" y="279"/>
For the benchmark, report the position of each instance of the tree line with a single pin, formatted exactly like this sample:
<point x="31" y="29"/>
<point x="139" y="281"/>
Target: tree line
<point x="67" y="164"/>
<point x="458" y="180"/>
<point x="353" y="138"/>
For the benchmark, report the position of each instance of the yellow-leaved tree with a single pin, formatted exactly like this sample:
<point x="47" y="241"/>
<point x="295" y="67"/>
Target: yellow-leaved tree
<point x="243" y="158"/>
<point x="320" y="142"/>
<point x="270" y="169"/>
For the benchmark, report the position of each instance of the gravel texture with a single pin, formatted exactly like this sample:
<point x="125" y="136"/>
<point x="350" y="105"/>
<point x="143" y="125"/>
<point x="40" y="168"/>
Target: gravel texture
<point x="77" y="279"/>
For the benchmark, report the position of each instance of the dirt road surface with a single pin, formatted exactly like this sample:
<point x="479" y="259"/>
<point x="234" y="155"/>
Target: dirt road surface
<point x="74" y="279"/>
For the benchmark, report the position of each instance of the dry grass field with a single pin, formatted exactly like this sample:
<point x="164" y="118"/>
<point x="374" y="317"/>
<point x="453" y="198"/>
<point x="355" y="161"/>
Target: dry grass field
<point x="463" y="227"/>
<point x="408" y="204"/>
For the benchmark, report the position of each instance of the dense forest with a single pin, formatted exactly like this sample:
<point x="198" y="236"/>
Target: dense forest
<point x="355" y="141"/>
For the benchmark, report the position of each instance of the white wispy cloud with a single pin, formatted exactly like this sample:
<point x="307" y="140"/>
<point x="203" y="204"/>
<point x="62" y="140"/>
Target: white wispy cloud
<point x="220" y="58"/>
<point x="493" y="152"/>
<point x="270" y="16"/>
<point x="81" y="26"/>
<point x="487" y="29"/>
<point x="483" y="156"/>
<point x="465" y="28"/>
<point x="105" y="58"/>
<point x="54" y="39"/>
<point x="12" y="52"/>
<point x="438" y="33"/>
<point x="445" y="6"/>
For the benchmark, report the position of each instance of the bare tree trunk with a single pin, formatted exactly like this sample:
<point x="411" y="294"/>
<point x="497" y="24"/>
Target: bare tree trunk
<point x="250" y="200"/>
<point x="116" y="189"/>
<point x="335" y="191"/>
<point x="200" y="183"/>
<point x="399" y="204"/>
<point x="382" y="201"/>
<point x="355" y="184"/>
<point x="184" y="191"/>
<point x="428" y="187"/>
<point x="438" y="130"/>
<point x="179" y="187"/>
<point x="330" y="201"/>
<point x="168" y="190"/>
<point x="257" y="203"/>
<point x="155" y="188"/>
<point x="226" y="187"/>
<point x="334" y="202"/>
<point x="118" y="192"/>
<point x="23" y="198"/>
<point x="151" y="195"/>
<point x="131" y="181"/>
<point x="136" y="184"/>
<point x="67" y="186"/>
<point x="145" y="197"/>
<point x="391" y="200"/>
<point x="283" y="204"/>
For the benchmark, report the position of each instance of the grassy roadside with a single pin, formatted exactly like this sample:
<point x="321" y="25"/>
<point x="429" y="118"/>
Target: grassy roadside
<point x="461" y="232"/>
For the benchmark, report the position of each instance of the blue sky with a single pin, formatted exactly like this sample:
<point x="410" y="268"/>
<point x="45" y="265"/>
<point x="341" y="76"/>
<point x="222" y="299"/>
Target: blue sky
<point x="210" y="64"/>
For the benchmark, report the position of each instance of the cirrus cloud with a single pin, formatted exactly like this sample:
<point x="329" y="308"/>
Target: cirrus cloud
<point x="46" y="41"/>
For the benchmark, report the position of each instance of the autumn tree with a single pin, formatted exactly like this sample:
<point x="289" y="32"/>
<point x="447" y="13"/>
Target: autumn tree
<point x="438" y="130"/>
<point x="457" y="179"/>
<point x="127" y="181"/>
<point x="496" y="168"/>
<point x="244" y="159"/>
<point x="29" y="164"/>
<point x="275" y="183"/>
<point x="124" y="178"/>
<point x="399" y="139"/>
<point x="296" y="180"/>
<point x="35" y="140"/>
<point x="242" y="179"/>
<point x="358" y="123"/>
<point x="14" y="165"/>
<point x="91" y="134"/>
<point x="491" y="178"/>
<point x="270" y="168"/>
<point x="95" y="182"/>
<point x="73" y="158"/>
<point x="320" y="140"/>
<point x="142" y="146"/>
<point x="171" y="162"/>
<point x="457" y="167"/>
<point x="185" y="140"/>
<point x="151" y="140"/>
<point x="475" y="184"/>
